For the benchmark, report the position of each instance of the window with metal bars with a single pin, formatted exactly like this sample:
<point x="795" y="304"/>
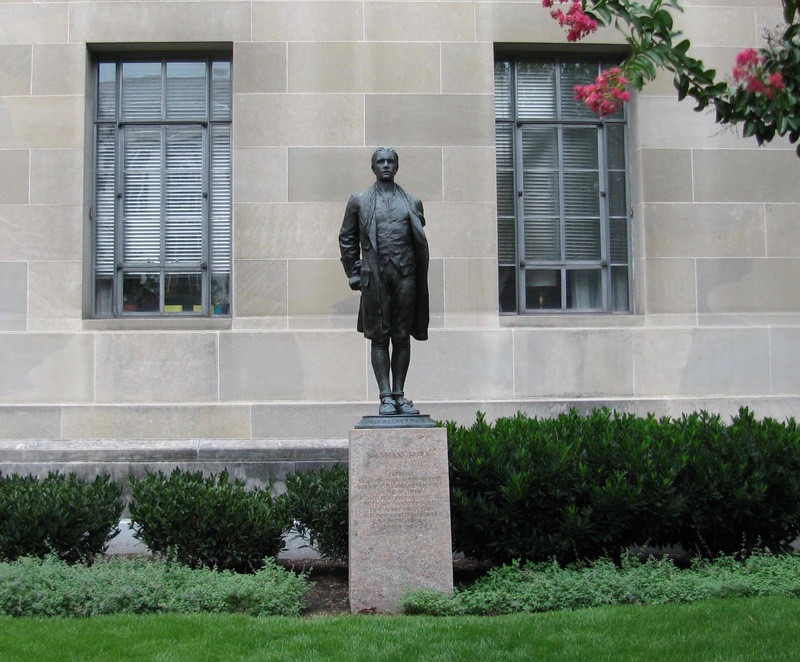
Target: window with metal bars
<point x="161" y="214"/>
<point x="562" y="201"/>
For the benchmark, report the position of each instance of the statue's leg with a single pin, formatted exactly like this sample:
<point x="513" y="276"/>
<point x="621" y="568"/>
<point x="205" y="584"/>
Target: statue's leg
<point x="401" y="359"/>
<point x="402" y="320"/>
<point x="380" y="366"/>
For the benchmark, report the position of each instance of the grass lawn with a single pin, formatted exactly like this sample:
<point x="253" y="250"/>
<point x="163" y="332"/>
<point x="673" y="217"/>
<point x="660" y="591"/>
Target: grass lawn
<point x="727" y="630"/>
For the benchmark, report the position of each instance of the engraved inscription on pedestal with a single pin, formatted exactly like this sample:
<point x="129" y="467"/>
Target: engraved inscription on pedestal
<point x="399" y="516"/>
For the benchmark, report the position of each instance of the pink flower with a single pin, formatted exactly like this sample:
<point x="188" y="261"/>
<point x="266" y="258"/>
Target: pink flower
<point x="606" y="94"/>
<point x="749" y="57"/>
<point x="749" y="72"/>
<point x="577" y="23"/>
<point x="776" y="81"/>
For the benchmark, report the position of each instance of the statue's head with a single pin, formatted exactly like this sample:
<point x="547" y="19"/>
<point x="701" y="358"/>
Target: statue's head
<point x="385" y="163"/>
<point x="392" y="150"/>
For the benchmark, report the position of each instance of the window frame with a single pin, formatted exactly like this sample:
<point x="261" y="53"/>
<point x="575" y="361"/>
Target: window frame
<point x="607" y="265"/>
<point x="211" y="196"/>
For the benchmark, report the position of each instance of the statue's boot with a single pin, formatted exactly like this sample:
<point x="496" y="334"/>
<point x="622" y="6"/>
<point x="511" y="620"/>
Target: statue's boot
<point x="388" y="406"/>
<point x="401" y="358"/>
<point x="404" y="406"/>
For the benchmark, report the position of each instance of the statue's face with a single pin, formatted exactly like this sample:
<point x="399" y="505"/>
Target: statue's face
<point x="384" y="165"/>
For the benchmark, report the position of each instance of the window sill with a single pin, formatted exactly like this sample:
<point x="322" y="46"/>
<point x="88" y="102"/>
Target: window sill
<point x="573" y="320"/>
<point x="158" y="324"/>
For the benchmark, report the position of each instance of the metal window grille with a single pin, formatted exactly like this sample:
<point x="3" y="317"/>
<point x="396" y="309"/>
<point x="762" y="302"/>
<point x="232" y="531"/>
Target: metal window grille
<point x="162" y="186"/>
<point x="562" y="200"/>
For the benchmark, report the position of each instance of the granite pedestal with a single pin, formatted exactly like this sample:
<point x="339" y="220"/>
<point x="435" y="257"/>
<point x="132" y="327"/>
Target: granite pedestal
<point x="400" y="537"/>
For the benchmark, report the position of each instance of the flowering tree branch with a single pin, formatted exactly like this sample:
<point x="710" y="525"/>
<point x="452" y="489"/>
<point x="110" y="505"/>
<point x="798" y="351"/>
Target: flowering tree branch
<point x="763" y="96"/>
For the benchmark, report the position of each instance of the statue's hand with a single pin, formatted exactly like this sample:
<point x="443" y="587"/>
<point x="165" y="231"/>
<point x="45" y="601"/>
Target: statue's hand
<point x="355" y="282"/>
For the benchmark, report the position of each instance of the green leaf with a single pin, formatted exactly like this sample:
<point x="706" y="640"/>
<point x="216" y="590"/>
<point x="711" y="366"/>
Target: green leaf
<point x="682" y="47"/>
<point x="682" y="85"/>
<point x="665" y="18"/>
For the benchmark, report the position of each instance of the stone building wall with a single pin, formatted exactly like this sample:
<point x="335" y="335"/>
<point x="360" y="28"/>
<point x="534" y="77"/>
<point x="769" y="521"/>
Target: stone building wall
<point x="317" y="86"/>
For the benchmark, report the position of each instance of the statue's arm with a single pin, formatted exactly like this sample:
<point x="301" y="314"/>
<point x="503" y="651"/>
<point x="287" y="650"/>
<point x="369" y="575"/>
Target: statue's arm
<point x="419" y="210"/>
<point x="349" y="243"/>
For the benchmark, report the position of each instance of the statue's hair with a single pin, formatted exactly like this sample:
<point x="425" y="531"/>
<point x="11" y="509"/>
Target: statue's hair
<point x="385" y="149"/>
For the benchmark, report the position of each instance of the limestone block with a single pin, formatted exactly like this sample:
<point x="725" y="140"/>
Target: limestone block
<point x="14" y="285"/>
<point x="670" y="286"/>
<point x="686" y="361"/>
<point x="419" y="21"/>
<point x="41" y="232"/>
<point x="572" y="362"/>
<point x="430" y="119"/>
<point x="15" y="69"/>
<point x="783" y="231"/>
<point x="287" y="230"/>
<point x="469" y="174"/>
<point x="456" y="364"/>
<point x="259" y="288"/>
<point x="260" y="67"/>
<point x="57" y="176"/>
<point x="46" y="367"/>
<point x="704" y="230"/>
<point x="746" y="175"/>
<point x="156" y="367"/>
<point x="467" y="68"/>
<point x="677" y="185"/>
<point x="159" y="422"/>
<point x="42" y="121"/>
<point x="748" y="285"/>
<point x="54" y="290"/>
<point x="319" y="174"/>
<point x="470" y="286"/>
<point x="286" y="365"/>
<point x="461" y="229"/>
<point x="59" y="69"/>
<point x="359" y="67"/>
<point x="308" y="21"/>
<point x="33" y="23"/>
<point x="260" y="174"/>
<point x="15" y="176"/>
<point x="159" y="21"/>
<point x="299" y="119"/>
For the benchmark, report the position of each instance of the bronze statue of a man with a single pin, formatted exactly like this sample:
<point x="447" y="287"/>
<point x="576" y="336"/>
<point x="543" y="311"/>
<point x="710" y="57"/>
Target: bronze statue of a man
<point x="385" y="256"/>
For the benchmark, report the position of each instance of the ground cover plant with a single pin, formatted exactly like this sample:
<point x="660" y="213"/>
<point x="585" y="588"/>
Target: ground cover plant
<point x="50" y="587"/>
<point x="59" y="514"/>
<point x="732" y="630"/>
<point x="208" y="521"/>
<point x="544" y="587"/>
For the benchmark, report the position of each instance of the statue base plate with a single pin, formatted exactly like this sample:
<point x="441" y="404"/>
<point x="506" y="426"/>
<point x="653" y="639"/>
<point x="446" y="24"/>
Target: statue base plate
<point x="396" y="421"/>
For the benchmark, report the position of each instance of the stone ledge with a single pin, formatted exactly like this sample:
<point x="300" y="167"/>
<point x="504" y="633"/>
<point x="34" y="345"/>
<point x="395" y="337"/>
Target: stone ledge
<point x="168" y="450"/>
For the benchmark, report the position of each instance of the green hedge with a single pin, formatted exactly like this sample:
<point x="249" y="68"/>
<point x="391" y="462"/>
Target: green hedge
<point x="208" y="521"/>
<point x="582" y="487"/>
<point x="317" y="500"/>
<point x="64" y="515"/>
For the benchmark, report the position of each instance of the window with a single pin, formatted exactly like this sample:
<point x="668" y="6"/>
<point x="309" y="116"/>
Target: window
<point x="162" y="186"/>
<point x="562" y="209"/>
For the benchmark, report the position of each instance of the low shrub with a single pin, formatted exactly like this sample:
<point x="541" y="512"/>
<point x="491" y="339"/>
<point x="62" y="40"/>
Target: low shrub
<point x="59" y="514"/>
<point x="740" y="484"/>
<point x="208" y="521"/>
<point x="570" y="487"/>
<point x="580" y="487"/>
<point x="49" y="587"/>
<point x="543" y="587"/>
<point x="317" y="500"/>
